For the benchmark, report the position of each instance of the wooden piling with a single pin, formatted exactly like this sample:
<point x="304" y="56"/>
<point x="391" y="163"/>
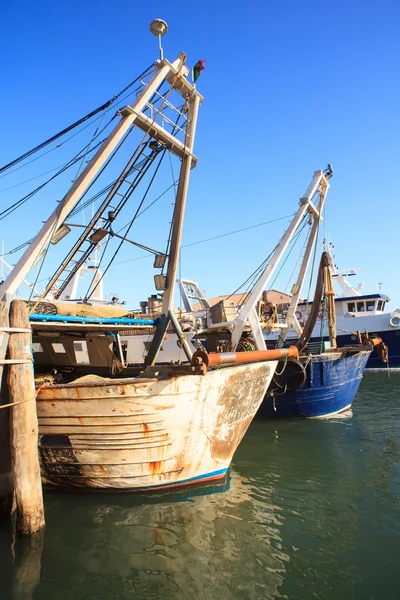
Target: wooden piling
<point x="6" y="474"/>
<point x="26" y="576"/>
<point x="21" y="388"/>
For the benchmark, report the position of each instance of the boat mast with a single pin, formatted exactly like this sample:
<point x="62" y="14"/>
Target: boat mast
<point x="194" y="99"/>
<point x="176" y="74"/>
<point x="291" y="319"/>
<point x="248" y="312"/>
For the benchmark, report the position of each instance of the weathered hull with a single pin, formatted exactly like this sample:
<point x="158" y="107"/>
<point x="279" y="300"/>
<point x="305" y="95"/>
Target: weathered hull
<point x="140" y="434"/>
<point x="331" y="385"/>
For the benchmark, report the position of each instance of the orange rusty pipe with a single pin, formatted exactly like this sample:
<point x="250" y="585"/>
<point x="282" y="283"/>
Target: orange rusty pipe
<point x="375" y="341"/>
<point x="200" y="357"/>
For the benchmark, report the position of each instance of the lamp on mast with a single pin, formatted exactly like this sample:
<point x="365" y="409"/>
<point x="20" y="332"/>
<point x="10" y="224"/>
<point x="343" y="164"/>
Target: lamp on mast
<point x="158" y="27"/>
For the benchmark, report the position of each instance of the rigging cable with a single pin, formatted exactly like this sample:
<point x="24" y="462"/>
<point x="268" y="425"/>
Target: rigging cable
<point x="257" y="274"/>
<point x="6" y="212"/>
<point x="171" y="87"/>
<point x="74" y="125"/>
<point x="91" y="290"/>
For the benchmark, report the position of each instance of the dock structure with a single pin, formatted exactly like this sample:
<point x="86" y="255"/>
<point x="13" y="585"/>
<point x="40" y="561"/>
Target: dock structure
<point x="19" y="459"/>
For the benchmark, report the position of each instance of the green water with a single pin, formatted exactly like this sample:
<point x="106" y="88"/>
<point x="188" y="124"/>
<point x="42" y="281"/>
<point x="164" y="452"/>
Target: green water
<point x="311" y="510"/>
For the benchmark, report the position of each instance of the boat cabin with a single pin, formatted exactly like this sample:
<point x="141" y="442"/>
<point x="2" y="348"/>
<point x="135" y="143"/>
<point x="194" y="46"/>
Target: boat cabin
<point x="371" y="304"/>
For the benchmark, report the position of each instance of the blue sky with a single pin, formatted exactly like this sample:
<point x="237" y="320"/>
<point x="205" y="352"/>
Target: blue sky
<point x="288" y="88"/>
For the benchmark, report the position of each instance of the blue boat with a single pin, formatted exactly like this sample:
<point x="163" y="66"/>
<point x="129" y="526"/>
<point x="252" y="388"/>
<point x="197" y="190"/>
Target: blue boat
<point x="330" y="383"/>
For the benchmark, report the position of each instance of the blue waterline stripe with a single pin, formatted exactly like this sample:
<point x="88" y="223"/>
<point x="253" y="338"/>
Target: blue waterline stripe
<point x="96" y="320"/>
<point x="198" y="479"/>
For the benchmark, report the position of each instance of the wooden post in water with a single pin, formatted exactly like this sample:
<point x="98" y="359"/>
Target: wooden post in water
<point x="21" y="386"/>
<point x="6" y="475"/>
<point x="27" y="574"/>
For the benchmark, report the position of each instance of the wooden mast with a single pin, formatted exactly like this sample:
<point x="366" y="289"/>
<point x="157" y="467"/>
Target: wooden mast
<point x="56" y="219"/>
<point x="291" y="319"/>
<point x="248" y="312"/>
<point x="176" y="235"/>
<point x="330" y="304"/>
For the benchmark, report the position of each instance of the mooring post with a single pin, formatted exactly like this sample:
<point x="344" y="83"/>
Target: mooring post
<point x="6" y="474"/>
<point x="26" y="576"/>
<point x="21" y="388"/>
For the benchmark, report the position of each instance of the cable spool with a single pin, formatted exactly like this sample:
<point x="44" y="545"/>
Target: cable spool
<point x="289" y="376"/>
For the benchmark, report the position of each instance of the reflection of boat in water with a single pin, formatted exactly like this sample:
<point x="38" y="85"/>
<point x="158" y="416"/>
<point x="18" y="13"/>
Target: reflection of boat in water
<point x="122" y="547"/>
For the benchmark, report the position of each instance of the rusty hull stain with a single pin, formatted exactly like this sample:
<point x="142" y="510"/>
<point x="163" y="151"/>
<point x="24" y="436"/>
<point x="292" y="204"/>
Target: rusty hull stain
<point x="238" y="401"/>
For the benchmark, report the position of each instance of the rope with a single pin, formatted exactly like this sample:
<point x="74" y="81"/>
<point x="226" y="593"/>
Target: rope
<point x="16" y="403"/>
<point x="200" y="241"/>
<point x="315" y="307"/>
<point x="15" y="361"/>
<point x="15" y="330"/>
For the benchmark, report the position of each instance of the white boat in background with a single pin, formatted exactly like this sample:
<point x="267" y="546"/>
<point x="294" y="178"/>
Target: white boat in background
<point x="355" y="311"/>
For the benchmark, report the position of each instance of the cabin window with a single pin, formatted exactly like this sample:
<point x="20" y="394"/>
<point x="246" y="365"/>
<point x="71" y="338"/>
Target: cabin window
<point x="380" y="307"/>
<point x="351" y="306"/>
<point x="36" y="347"/>
<point x="81" y="353"/>
<point x="147" y="346"/>
<point x="59" y="348"/>
<point x="360" y="306"/>
<point x="370" y="305"/>
<point x="383" y="305"/>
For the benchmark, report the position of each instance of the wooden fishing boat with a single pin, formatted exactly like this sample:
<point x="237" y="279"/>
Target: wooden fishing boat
<point x="152" y="426"/>
<point x="159" y="430"/>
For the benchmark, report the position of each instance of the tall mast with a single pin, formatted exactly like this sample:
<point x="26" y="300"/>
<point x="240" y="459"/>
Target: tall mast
<point x="194" y="100"/>
<point x="176" y="74"/>
<point x="248" y="312"/>
<point x="291" y="319"/>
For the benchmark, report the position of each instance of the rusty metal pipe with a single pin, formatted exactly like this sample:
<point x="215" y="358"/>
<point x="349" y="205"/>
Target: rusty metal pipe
<point x="375" y="341"/>
<point x="200" y="357"/>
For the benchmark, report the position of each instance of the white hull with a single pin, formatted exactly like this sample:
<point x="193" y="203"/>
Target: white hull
<point x="139" y="434"/>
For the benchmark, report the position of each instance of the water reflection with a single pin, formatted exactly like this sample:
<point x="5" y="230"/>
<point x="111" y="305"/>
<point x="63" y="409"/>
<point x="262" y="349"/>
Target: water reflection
<point x="194" y="544"/>
<point x="311" y="510"/>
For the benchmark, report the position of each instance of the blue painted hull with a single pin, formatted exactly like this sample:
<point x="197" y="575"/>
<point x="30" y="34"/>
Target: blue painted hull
<point x="330" y="388"/>
<point x="390" y="337"/>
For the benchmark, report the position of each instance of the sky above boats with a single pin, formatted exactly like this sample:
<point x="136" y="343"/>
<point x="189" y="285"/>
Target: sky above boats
<point x="289" y="87"/>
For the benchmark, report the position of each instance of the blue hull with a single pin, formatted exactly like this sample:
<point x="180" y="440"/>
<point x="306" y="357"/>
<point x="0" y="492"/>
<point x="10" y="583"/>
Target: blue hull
<point x="392" y="340"/>
<point x="330" y="388"/>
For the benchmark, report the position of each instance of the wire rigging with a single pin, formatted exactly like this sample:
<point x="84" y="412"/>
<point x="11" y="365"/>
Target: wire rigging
<point x="6" y="212"/>
<point x="74" y="125"/>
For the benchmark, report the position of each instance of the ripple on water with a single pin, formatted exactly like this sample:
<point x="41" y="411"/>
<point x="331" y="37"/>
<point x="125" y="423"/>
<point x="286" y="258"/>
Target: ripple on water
<point x="311" y="511"/>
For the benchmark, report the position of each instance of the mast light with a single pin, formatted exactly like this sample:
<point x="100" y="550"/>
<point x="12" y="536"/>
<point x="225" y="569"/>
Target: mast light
<point x="158" y="27"/>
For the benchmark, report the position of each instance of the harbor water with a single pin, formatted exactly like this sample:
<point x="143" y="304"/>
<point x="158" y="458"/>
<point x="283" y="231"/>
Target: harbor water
<point x="310" y="510"/>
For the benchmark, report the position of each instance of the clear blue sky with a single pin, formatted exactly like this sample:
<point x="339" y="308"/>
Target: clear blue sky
<point x="289" y="86"/>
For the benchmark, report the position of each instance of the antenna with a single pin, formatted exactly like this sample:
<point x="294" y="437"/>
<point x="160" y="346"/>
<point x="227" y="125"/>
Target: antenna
<point x="158" y="27"/>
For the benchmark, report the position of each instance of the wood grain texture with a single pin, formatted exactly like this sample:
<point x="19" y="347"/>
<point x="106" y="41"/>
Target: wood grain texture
<point x="21" y="386"/>
<point x="6" y="473"/>
<point x="133" y="434"/>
